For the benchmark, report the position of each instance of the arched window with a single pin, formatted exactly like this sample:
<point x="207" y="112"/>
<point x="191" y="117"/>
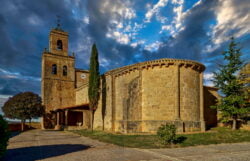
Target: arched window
<point x="59" y="45"/>
<point x="54" y="69"/>
<point x="65" y="70"/>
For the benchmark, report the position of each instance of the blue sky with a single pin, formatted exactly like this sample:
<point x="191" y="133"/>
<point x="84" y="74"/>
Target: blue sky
<point x="125" y="31"/>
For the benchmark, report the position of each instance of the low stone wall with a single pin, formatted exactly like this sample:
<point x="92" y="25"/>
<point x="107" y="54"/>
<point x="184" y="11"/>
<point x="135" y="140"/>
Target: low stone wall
<point x="151" y="126"/>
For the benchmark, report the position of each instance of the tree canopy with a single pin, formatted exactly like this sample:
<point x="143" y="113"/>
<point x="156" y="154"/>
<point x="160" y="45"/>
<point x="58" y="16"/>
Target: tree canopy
<point x="94" y="83"/>
<point x="26" y="105"/>
<point x="4" y="136"/>
<point x="244" y="78"/>
<point x="233" y="103"/>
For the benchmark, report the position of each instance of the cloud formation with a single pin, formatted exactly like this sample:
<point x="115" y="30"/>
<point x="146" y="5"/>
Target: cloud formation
<point x="125" y="32"/>
<point x="189" y="42"/>
<point x="155" y="10"/>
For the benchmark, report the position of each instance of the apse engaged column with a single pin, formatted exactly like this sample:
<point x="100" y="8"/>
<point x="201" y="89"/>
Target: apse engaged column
<point x="202" y="121"/>
<point x="177" y="114"/>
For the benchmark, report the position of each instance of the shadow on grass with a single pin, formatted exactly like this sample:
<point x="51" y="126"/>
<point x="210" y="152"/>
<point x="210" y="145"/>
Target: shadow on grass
<point x="180" y="139"/>
<point x="42" y="152"/>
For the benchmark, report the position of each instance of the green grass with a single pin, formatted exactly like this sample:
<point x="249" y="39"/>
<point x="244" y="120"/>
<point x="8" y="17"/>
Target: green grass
<point x="214" y="136"/>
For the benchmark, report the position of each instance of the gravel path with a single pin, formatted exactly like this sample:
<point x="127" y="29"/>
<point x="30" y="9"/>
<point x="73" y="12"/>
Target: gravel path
<point x="62" y="146"/>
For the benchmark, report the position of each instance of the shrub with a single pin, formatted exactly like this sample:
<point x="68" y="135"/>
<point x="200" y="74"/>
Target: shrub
<point x="4" y="136"/>
<point x="167" y="133"/>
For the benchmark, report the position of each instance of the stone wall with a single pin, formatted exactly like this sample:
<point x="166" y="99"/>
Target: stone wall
<point x="141" y="97"/>
<point x="210" y="96"/>
<point x="82" y="77"/>
<point x="158" y="93"/>
<point x="56" y="35"/>
<point x="82" y="95"/>
<point x="57" y="89"/>
<point x="189" y="94"/>
<point x="104" y="113"/>
<point x="127" y="101"/>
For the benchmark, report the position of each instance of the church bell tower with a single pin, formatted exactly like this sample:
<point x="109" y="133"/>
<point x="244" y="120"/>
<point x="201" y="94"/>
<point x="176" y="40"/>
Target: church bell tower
<point x="58" y="72"/>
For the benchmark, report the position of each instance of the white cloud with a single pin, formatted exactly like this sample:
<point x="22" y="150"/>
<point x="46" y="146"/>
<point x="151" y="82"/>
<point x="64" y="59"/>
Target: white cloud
<point x="119" y="37"/>
<point x="176" y="25"/>
<point x="179" y="15"/>
<point x="153" y="46"/>
<point x="120" y="8"/>
<point x="128" y="28"/>
<point x="148" y="6"/>
<point x="135" y="44"/>
<point x="15" y="75"/>
<point x="121" y="13"/>
<point x="128" y="13"/>
<point x="232" y="20"/>
<point x="3" y="99"/>
<point x="34" y="20"/>
<point x="167" y="28"/>
<point x="104" y="62"/>
<point x="177" y="2"/>
<point x="161" y="18"/>
<point x="156" y="8"/>
<point x="208" y="79"/>
<point x="86" y="19"/>
<point x="208" y="76"/>
<point x="120" y="25"/>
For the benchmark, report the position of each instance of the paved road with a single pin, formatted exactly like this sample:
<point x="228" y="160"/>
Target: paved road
<point x="61" y="146"/>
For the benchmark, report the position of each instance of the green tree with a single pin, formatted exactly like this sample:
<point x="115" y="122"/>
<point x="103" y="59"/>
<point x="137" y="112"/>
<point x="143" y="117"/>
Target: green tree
<point x="244" y="78"/>
<point x="23" y="106"/>
<point x="94" y="83"/>
<point x="4" y="136"/>
<point x="232" y="103"/>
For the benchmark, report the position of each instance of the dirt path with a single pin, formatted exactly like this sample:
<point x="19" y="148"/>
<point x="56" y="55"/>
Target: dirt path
<point x="61" y="146"/>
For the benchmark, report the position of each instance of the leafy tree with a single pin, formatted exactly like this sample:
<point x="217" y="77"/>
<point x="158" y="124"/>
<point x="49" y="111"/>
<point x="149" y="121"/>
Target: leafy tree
<point x="232" y="103"/>
<point x="4" y="136"/>
<point x="244" y="78"/>
<point x="94" y="83"/>
<point x="23" y="106"/>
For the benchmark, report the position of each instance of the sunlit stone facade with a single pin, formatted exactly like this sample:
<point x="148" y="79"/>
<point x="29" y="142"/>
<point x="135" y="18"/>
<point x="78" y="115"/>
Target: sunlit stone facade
<point x="134" y="99"/>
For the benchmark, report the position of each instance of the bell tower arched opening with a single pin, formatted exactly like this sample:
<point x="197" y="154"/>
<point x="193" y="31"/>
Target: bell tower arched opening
<point x="59" y="45"/>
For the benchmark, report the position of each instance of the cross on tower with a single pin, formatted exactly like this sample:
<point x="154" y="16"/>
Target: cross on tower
<point x="58" y="22"/>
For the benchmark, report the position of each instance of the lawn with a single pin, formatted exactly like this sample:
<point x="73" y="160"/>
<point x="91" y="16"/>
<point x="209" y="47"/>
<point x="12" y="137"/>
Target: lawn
<point x="214" y="136"/>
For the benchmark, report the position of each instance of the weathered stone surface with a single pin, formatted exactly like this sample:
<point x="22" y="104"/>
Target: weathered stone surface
<point x="82" y="95"/>
<point x="158" y="93"/>
<point x="210" y="95"/>
<point x="134" y="98"/>
<point x="82" y="77"/>
<point x="57" y="89"/>
<point x="189" y="94"/>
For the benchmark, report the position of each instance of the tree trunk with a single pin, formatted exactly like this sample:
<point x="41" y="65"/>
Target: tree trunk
<point x="102" y="124"/>
<point x="29" y="123"/>
<point x="92" y="120"/>
<point x="22" y="125"/>
<point x="234" y="127"/>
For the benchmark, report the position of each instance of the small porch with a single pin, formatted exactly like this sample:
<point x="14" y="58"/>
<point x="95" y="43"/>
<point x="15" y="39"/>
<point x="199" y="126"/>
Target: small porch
<point x="73" y="117"/>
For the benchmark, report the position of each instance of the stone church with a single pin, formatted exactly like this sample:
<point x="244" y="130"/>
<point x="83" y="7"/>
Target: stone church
<point x="137" y="98"/>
